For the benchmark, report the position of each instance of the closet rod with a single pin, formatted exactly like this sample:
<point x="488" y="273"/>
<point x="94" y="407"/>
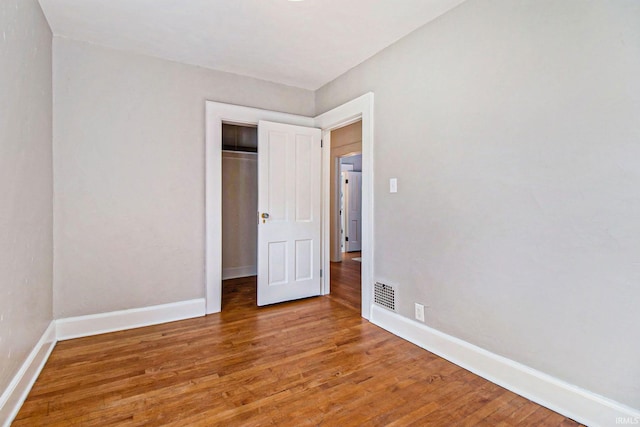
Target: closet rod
<point x="240" y="151"/>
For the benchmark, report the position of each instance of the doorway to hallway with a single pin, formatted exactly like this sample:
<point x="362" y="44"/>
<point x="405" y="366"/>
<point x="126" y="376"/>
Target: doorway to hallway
<point x="346" y="190"/>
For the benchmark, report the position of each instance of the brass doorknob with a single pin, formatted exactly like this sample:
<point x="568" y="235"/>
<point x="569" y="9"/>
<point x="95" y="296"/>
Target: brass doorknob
<point x="265" y="215"/>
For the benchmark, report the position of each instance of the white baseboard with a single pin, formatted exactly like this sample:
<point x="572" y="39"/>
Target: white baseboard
<point x="569" y="400"/>
<point x="15" y="394"/>
<point x="94" y="324"/>
<point x="235" y="272"/>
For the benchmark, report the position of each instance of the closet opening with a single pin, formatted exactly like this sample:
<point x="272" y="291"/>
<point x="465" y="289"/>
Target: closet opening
<point x="239" y="221"/>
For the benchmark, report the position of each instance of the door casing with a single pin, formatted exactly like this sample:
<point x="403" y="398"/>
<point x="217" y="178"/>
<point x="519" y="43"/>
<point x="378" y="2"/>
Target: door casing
<point x="360" y="108"/>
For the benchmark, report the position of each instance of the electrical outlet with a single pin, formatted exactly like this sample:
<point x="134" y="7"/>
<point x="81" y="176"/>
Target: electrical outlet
<point x="420" y="312"/>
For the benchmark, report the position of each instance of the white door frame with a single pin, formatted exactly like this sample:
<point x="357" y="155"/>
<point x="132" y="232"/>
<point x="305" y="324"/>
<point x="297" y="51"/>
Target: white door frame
<point x="360" y="108"/>
<point x="216" y="113"/>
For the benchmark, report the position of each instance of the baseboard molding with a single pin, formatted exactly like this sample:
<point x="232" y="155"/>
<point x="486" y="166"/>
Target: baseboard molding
<point x="16" y="393"/>
<point x="571" y="401"/>
<point x="75" y="327"/>
<point x="94" y="324"/>
<point x="235" y="272"/>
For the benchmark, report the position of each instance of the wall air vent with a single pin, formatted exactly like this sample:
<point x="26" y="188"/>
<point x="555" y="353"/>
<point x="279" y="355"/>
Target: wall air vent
<point x="385" y="296"/>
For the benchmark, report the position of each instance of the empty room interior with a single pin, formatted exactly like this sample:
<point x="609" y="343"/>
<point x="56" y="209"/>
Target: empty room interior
<point x="319" y="212"/>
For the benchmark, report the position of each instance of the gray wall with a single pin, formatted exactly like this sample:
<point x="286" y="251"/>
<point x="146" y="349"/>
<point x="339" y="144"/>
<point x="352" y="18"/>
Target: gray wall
<point x="129" y="173"/>
<point x="513" y="129"/>
<point x="25" y="182"/>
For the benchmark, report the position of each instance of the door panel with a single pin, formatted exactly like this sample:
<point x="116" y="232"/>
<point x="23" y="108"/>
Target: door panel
<point x="277" y="263"/>
<point x="277" y="176"/>
<point x="289" y="192"/>
<point x="304" y="183"/>
<point x="304" y="259"/>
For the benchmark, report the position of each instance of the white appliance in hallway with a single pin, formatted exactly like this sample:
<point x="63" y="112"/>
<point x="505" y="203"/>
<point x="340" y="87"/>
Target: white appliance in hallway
<point x="352" y="210"/>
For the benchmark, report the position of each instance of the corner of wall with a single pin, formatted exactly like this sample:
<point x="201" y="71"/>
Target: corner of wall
<point x="16" y="393"/>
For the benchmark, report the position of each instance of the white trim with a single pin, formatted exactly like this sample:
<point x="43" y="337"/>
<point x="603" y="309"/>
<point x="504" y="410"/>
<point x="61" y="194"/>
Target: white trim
<point x="216" y="113"/>
<point x="94" y="324"/>
<point x="15" y="394"/>
<point x="326" y="212"/>
<point x="360" y="108"/>
<point x="569" y="400"/>
<point x="235" y="272"/>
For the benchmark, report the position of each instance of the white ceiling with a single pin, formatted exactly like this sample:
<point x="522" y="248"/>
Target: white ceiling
<point x="304" y="43"/>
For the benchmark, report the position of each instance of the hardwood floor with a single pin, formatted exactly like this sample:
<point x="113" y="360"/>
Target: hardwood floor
<point x="308" y="362"/>
<point x="345" y="281"/>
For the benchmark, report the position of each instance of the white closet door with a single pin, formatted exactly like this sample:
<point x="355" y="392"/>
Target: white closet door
<point x="289" y="212"/>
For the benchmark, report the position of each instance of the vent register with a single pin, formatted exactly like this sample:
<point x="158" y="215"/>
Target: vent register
<point x="384" y="296"/>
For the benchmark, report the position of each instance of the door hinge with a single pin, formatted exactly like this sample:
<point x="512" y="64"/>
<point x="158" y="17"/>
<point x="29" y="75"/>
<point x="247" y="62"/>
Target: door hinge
<point x="321" y="143"/>
<point x="320" y="272"/>
<point x="346" y="181"/>
<point x="347" y="239"/>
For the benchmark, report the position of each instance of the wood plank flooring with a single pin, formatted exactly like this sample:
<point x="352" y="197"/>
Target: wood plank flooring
<point x="345" y="281"/>
<point x="308" y="362"/>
